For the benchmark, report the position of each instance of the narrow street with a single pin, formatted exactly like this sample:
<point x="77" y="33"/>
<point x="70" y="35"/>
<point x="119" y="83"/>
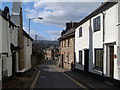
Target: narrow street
<point x="51" y="77"/>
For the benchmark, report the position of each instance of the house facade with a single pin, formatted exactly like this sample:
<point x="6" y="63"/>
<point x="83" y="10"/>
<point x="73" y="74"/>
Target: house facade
<point x="22" y="57"/>
<point x="10" y="48"/>
<point x="67" y="42"/>
<point x="97" y="41"/>
<point x="6" y="55"/>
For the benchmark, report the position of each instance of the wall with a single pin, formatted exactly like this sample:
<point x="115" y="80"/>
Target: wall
<point x="27" y="54"/>
<point x="97" y="43"/>
<point x="6" y="40"/>
<point x="65" y="49"/>
<point x="0" y="47"/>
<point x="81" y="43"/>
<point x="92" y="40"/>
<point x="118" y="53"/>
<point x="49" y="54"/>
<point x="111" y="31"/>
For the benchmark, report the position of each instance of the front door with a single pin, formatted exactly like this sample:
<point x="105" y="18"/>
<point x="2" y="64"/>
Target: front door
<point x="111" y="56"/>
<point x="13" y="62"/>
<point x="62" y="60"/>
<point x="86" y="61"/>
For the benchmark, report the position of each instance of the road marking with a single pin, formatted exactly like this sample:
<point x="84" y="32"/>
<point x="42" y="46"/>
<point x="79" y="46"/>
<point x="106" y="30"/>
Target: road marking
<point x="74" y="81"/>
<point x="33" y="84"/>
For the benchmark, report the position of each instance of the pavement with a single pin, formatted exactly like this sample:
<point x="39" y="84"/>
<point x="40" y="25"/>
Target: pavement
<point x="20" y="81"/>
<point x="89" y="81"/>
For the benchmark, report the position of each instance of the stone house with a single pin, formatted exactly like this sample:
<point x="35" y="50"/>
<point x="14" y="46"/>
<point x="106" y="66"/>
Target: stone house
<point x="67" y="46"/>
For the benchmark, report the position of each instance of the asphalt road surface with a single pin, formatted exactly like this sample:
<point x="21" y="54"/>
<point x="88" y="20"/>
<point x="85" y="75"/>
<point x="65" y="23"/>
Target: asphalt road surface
<point x="51" y="77"/>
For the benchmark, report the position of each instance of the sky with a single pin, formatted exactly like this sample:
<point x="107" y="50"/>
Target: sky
<point x="54" y="14"/>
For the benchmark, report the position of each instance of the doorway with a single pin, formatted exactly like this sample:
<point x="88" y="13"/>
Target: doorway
<point x="111" y="58"/>
<point x="13" y="62"/>
<point x="86" y="60"/>
<point x="62" y="60"/>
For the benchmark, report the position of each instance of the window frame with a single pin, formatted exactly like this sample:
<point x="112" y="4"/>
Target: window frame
<point x="97" y="24"/>
<point x="80" y="59"/>
<point x="68" y="58"/>
<point x="101" y="64"/>
<point x="80" y="32"/>
<point x="69" y="42"/>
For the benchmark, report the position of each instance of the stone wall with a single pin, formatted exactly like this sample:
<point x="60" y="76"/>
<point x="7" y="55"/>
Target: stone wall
<point x="68" y="52"/>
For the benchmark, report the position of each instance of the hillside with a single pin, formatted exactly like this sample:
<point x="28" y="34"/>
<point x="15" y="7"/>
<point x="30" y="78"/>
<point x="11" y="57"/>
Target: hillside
<point x="43" y="44"/>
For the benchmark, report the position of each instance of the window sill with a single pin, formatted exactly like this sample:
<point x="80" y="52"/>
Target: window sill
<point x="98" y="68"/>
<point x="96" y="31"/>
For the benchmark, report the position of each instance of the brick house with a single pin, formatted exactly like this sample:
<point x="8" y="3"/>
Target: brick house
<point x="67" y="44"/>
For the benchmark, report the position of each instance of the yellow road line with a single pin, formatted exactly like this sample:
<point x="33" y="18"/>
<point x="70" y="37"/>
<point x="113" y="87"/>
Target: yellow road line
<point x="33" y="84"/>
<point x="74" y="81"/>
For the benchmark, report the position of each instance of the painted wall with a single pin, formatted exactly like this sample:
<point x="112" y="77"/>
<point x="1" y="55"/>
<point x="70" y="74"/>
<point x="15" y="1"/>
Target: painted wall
<point x="0" y="47"/>
<point x="111" y="31"/>
<point x="96" y="43"/>
<point x="27" y="54"/>
<point x="6" y="40"/>
<point x="112" y="35"/>
<point x="81" y="43"/>
<point x="118" y="48"/>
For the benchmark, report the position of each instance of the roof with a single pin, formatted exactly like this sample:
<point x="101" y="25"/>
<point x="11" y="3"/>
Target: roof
<point x="27" y="35"/>
<point x="103" y="7"/>
<point x="4" y="16"/>
<point x="69" y="33"/>
<point x="11" y="23"/>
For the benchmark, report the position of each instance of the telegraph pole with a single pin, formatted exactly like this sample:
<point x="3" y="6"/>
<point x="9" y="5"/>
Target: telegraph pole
<point x="36" y="46"/>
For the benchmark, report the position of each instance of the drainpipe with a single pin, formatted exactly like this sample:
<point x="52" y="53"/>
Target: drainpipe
<point x="103" y="41"/>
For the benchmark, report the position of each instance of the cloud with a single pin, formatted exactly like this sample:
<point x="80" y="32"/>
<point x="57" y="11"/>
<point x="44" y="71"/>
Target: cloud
<point x="58" y="13"/>
<point x="54" y="34"/>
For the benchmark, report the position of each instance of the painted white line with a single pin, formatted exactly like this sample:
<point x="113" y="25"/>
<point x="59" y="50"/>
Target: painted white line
<point x="33" y="84"/>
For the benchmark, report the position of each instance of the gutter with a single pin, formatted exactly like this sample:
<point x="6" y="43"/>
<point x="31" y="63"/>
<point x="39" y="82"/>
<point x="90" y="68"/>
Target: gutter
<point x="103" y="41"/>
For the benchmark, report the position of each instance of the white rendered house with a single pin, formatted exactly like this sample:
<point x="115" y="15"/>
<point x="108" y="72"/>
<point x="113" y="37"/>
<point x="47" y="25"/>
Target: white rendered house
<point x="98" y="36"/>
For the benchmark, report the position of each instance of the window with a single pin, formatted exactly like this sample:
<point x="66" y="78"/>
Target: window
<point x="28" y="42"/>
<point x="68" y="42"/>
<point x="68" y="58"/>
<point x="64" y="57"/>
<point x="80" y="32"/>
<point x="80" y="57"/>
<point x="96" y="24"/>
<point x="98" y="58"/>
<point x="65" y="43"/>
<point x="62" y="43"/>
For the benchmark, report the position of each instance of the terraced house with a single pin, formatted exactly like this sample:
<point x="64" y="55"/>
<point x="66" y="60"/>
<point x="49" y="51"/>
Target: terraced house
<point x="67" y="42"/>
<point x="97" y="42"/>
<point x="16" y="44"/>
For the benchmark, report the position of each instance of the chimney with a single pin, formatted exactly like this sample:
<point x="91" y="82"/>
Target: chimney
<point x="71" y="25"/>
<point x="68" y="25"/>
<point x="15" y="17"/>
<point x="7" y="13"/>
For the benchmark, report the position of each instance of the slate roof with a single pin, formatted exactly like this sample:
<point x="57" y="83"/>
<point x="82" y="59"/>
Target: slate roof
<point x="69" y="33"/>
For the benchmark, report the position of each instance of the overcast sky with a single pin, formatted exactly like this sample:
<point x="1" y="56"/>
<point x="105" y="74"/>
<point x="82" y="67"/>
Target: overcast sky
<point x="55" y="15"/>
